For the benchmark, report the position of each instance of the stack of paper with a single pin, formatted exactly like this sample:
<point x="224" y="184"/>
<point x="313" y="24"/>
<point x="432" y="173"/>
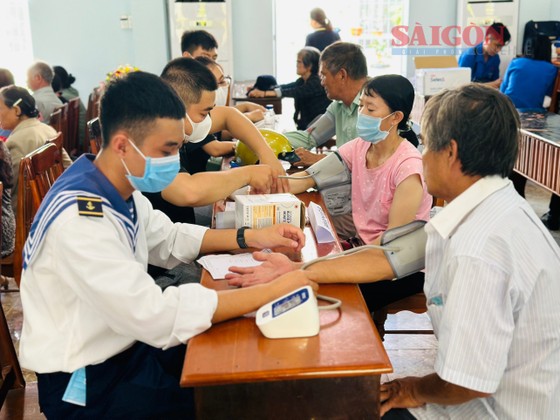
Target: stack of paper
<point x="218" y="265"/>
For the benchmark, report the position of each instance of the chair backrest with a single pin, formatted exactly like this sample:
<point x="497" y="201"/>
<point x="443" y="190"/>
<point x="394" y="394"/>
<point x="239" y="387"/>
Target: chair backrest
<point x="92" y="112"/>
<point x="63" y="123"/>
<point x="10" y="372"/>
<point x="72" y="141"/>
<point x="37" y="173"/>
<point x="56" y="119"/>
<point x="57" y="140"/>
<point x="95" y="138"/>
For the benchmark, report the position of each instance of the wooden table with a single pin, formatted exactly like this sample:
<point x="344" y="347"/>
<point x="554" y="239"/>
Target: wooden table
<point x="539" y="150"/>
<point x="237" y="373"/>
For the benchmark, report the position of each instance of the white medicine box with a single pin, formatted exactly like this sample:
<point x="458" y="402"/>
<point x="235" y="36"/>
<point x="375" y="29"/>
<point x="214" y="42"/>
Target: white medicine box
<point x="260" y="210"/>
<point x="432" y="81"/>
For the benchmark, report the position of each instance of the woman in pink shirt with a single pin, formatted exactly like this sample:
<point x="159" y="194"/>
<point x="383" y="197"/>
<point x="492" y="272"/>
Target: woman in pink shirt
<point x="388" y="188"/>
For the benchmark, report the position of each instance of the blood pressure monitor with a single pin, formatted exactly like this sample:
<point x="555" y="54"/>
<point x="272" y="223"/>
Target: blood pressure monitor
<point x="293" y="315"/>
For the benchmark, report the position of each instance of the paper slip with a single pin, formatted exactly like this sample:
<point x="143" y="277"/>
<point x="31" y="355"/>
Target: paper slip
<point x="320" y="223"/>
<point x="226" y="219"/>
<point x="218" y="265"/>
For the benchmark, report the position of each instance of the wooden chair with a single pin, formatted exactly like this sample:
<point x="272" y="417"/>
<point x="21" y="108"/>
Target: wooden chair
<point x="11" y="376"/>
<point x="95" y="140"/>
<point x="56" y="120"/>
<point x="37" y="172"/>
<point x="92" y="112"/>
<point x="61" y="122"/>
<point x="57" y="140"/>
<point x="72" y="141"/>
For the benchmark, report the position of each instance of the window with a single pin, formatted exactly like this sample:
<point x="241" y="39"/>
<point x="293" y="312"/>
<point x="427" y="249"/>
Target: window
<point x="364" y="22"/>
<point x="15" y="33"/>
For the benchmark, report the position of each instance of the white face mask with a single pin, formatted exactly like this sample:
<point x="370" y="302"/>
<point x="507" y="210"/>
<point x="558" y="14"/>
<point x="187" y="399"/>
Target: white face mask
<point x="221" y="96"/>
<point x="199" y="130"/>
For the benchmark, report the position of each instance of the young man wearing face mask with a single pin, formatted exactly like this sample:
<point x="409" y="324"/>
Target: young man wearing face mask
<point x="196" y="86"/>
<point x="95" y="322"/>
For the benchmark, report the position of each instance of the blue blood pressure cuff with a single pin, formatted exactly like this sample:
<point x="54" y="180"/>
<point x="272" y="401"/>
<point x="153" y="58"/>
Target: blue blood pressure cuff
<point x="334" y="182"/>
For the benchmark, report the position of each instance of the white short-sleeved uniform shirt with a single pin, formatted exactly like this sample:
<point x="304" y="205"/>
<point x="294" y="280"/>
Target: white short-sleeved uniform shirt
<point x="493" y="290"/>
<point x="85" y="290"/>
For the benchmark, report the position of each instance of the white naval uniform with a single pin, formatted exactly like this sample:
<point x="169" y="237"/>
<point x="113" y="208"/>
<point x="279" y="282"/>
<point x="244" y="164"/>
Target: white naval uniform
<point x="493" y="290"/>
<point x="86" y="294"/>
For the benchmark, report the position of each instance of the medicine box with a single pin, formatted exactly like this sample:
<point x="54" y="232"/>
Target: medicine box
<point x="260" y="210"/>
<point x="432" y="81"/>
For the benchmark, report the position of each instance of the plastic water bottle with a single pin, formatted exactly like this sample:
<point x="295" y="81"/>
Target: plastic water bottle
<point x="269" y="117"/>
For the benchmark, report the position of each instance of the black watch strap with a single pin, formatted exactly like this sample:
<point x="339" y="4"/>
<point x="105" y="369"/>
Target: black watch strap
<point x="241" y="237"/>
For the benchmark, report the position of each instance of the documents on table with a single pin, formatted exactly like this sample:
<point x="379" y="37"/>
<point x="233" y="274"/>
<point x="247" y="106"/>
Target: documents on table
<point x="320" y="223"/>
<point x="218" y="265"/>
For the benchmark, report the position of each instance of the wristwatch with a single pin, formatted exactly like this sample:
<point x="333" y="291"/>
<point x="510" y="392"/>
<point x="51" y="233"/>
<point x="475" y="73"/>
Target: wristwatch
<point x="241" y="237"/>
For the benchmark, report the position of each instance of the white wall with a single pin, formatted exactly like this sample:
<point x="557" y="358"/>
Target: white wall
<point x="85" y="36"/>
<point x="429" y="13"/>
<point x="253" y="38"/>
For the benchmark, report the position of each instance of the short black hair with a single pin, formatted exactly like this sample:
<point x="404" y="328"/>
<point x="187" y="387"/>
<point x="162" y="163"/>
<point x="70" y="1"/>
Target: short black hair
<point x="191" y="40"/>
<point x="345" y="55"/>
<point x="482" y="121"/>
<point x="12" y="95"/>
<point x="189" y="78"/>
<point x="206" y="61"/>
<point x="499" y="31"/>
<point x="310" y="58"/>
<point x="134" y="102"/>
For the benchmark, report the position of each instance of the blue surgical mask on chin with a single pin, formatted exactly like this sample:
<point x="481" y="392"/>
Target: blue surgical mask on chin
<point x="158" y="172"/>
<point x="369" y="128"/>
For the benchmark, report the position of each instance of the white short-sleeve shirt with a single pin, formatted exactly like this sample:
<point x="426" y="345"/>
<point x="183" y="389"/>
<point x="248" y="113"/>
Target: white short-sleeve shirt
<point x="493" y="290"/>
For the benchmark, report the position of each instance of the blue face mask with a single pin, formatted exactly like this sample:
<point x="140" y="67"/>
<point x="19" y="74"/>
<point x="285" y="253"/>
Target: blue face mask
<point x="369" y="128"/>
<point x="158" y="172"/>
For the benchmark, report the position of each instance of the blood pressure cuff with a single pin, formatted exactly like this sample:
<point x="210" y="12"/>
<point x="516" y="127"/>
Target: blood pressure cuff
<point x="323" y="129"/>
<point x="411" y="240"/>
<point x="333" y="180"/>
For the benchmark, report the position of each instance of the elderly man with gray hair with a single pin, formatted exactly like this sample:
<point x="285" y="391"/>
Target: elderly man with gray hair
<point x="39" y="79"/>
